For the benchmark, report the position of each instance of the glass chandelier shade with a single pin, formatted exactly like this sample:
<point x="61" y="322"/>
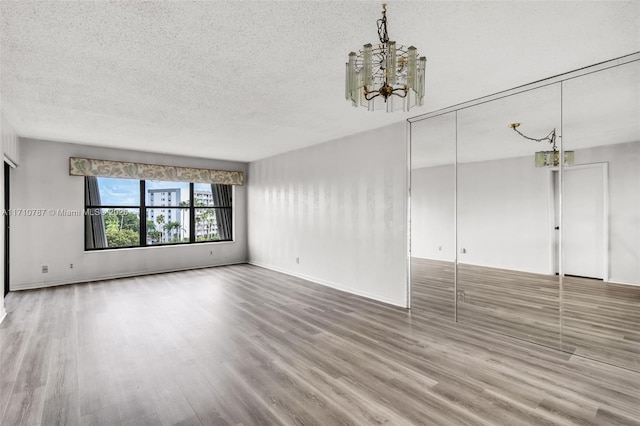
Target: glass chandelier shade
<point x="385" y="76"/>
<point x="552" y="158"/>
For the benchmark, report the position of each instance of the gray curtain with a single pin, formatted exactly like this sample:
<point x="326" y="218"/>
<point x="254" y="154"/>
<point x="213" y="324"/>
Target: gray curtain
<point x="221" y="195"/>
<point x="95" y="236"/>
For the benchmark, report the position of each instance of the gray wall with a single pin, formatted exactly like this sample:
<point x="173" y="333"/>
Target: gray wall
<point x="42" y="182"/>
<point x="341" y="208"/>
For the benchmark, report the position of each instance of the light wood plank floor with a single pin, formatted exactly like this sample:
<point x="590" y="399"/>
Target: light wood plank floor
<point x="241" y="345"/>
<point x="599" y="320"/>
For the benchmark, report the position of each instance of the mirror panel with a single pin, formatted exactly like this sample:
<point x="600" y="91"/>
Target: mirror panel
<point x="507" y="244"/>
<point x="433" y="250"/>
<point x="601" y="216"/>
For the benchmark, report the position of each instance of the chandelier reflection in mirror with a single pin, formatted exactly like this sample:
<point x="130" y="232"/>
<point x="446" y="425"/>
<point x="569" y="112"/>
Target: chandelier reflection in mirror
<point x="547" y="158"/>
<point x="385" y="76"/>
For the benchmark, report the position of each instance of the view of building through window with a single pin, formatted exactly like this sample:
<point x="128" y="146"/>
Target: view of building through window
<point x="171" y="222"/>
<point x="171" y="216"/>
<point x="168" y="222"/>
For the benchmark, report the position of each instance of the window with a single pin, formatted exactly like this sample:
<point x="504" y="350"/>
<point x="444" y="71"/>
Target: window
<point x="168" y="226"/>
<point x="213" y="212"/>
<point x="195" y="212"/>
<point x="113" y="213"/>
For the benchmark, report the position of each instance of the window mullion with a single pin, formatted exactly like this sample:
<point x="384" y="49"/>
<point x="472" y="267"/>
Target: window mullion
<point x="143" y="214"/>
<point x="192" y="214"/>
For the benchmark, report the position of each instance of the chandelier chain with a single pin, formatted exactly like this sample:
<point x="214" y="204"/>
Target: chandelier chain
<point x="551" y="137"/>
<point x="383" y="35"/>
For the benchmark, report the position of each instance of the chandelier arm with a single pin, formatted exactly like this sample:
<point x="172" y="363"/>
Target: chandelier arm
<point x="398" y="95"/>
<point x="366" y="93"/>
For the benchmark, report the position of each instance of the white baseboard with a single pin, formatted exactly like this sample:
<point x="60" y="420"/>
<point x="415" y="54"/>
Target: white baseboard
<point x="33" y="286"/>
<point x="614" y="281"/>
<point x="337" y="286"/>
<point x="528" y="271"/>
<point x="331" y="284"/>
<point x="3" y="314"/>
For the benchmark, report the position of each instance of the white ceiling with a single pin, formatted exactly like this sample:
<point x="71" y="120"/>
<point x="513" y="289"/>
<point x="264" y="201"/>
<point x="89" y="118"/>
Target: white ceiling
<point x="243" y="80"/>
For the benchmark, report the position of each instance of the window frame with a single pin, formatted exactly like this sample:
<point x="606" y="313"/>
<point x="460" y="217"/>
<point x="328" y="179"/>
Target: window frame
<point x="142" y="207"/>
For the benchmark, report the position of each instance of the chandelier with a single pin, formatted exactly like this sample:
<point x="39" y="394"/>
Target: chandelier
<point x="385" y="76"/>
<point x="547" y="158"/>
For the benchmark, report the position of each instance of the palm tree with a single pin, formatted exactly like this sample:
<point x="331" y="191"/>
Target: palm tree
<point x="208" y="218"/>
<point x="198" y="224"/>
<point x="160" y="220"/>
<point x="170" y="227"/>
<point x="185" y="203"/>
<point x="154" y="235"/>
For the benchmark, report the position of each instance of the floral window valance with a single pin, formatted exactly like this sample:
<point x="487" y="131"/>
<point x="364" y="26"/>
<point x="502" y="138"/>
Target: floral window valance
<point x="122" y="169"/>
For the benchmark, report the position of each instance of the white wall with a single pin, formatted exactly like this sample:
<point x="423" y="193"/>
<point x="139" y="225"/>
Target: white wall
<point x="9" y="149"/>
<point x="433" y="213"/>
<point x="341" y="208"/>
<point x="504" y="215"/>
<point x="10" y="144"/>
<point x="504" y="211"/>
<point x="43" y="181"/>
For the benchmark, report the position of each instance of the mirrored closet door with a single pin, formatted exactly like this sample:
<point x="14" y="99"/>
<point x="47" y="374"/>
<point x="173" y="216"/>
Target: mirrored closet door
<point x="507" y="242"/>
<point x="601" y="215"/>
<point x="525" y="213"/>
<point x="433" y="251"/>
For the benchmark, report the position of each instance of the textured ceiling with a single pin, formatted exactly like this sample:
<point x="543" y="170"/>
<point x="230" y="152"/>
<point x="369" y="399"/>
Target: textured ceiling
<point x="243" y="80"/>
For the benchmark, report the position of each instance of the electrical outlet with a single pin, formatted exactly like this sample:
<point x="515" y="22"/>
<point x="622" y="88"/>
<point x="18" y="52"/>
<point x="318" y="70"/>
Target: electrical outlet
<point x="439" y="248"/>
<point x="460" y="296"/>
<point x="45" y="269"/>
<point x="71" y="266"/>
<point x="210" y="252"/>
<point x="463" y="250"/>
<point x="298" y="260"/>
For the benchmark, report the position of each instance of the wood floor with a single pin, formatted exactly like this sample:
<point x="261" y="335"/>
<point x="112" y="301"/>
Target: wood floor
<point x="599" y="320"/>
<point x="241" y="345"/>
